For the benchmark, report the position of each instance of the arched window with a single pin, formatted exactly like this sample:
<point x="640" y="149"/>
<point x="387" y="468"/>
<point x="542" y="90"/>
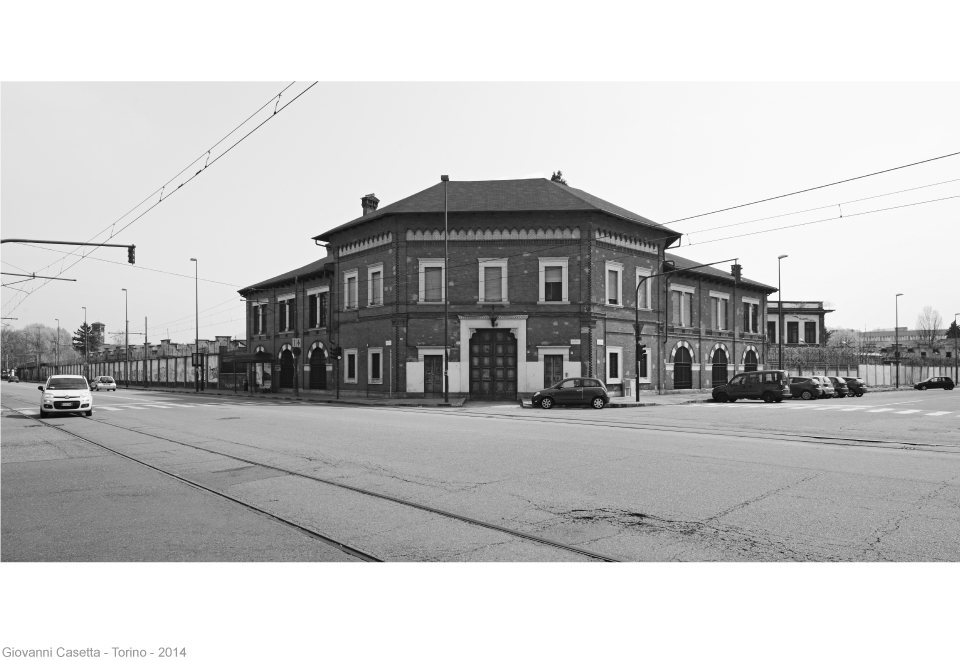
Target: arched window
<point x="750" y="360"/>
<point x="719" y="375"/>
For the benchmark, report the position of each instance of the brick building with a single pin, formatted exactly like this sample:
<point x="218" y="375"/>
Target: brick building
<point x="804" y="322"/>
<point x="542" y="284"/>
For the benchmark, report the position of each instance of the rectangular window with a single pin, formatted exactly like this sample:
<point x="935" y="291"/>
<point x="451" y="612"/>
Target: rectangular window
<point x="675" y="307"/>
<point x="433" y="284"/>
<point x="350" y="364"/>
<point x="643" y="292"/>
<point x="810" y="332"/>
<point x="553" y="283"/>
<point x="350" y="278"/>
<point x="687" y="309"/>
<point x="614" y="366"/>
<point x="312" y="311"/>
<point x="375" y="285"/>
<point x="793" y="332"/>
<point x="492" y="283"/>
<point x="772" y="332"/>
<point x="322" y="310"/>
<point x="375" y="366"/>
<point x="282" y="316"/>
<point x="755" y="317"/>
<point x="613" y="287"/>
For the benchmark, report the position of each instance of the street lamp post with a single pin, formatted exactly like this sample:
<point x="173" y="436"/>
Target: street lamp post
<point x="780" y="314"/>
<point x="446" y="298"/>
<point x="956" y="334"/>
<point x="126" y="340"/>
<point x="896" y="338"/>
<point x="86" y="352"/>
<point x="196" y="345"/>
<point x="56" y="368"/>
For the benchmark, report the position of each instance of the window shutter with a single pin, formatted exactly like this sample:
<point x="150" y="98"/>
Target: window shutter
<point x="714" y="321"/>
<point x="492" y="283"/>
<point x="613" y="294"/>
<point x="433" y="284"/>
<point x="725" y="307"/>
<point x="321" y="310"/>
<point x="312" y="314"/>
<point x="675" y="307"/>
<point x="377" y="288"/>
<point x="687" y="307"/>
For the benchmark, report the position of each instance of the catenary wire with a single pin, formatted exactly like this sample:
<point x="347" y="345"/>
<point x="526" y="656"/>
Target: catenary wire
<point x="814" y="222"/>
<point x="817" y="208"/>
<point x="277" y="111"/>
<point x="826" y="185"/>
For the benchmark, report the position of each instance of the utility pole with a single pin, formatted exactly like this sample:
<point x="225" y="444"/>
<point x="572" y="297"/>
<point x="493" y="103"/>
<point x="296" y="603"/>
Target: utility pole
<point x="56" y="369"/>
<point x="146" y="356"/>
<point x="446" y="298"/>
<point x="126" y="341"/>
<point x="896" y="335"/>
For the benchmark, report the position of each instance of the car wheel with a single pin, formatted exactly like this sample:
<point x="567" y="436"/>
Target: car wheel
<point x="598" y="402"/>
<point x="43" y="413"/>
<point x="721" y="397"/>
<point x="922" y="387"/>
<point x="546" y="403"/>
<point x="89" y="413"/>
<point x="733" y="399"/>
<point x="806" y="395"/>
<point x="768" y="397"/>
<point x="948" y="388"/>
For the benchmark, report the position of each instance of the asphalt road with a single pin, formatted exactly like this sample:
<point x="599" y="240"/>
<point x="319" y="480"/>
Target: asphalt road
<point x="735" y="482"/>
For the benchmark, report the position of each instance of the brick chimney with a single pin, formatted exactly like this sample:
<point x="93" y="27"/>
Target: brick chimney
<point x="369" y="203"/>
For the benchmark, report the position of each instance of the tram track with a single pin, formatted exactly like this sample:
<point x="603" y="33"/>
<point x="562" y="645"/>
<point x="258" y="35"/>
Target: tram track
<point x="360" y="554"/>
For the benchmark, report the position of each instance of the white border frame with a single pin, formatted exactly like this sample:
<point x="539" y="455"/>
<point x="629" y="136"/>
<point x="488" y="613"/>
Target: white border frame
<point x="431" y="263"/>
<point x="643" y="272"/>
<point x="347" y="274"/>
<point x="618" y="268"/>
<point x="370" y="353"/>
<point x="375" y="268"/>
<point x="606" y="367"/>
<point x="346" y="365"/>
<point x="564" y="263"/>
<point x="484" y="262"/>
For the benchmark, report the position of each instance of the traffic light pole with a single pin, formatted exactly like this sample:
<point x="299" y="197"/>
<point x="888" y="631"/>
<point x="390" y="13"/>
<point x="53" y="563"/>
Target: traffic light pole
<point x="131" y="249"/>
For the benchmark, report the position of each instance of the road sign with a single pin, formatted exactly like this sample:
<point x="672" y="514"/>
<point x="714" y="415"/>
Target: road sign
<point x="296" y="342"/>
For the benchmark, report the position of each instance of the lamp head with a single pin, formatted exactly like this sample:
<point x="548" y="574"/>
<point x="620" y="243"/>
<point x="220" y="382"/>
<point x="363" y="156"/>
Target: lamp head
<point x="192" y="259"/>
<point x="444" y="177"/>
<point x="783" y="256"/>
<point x="898" y="295"/>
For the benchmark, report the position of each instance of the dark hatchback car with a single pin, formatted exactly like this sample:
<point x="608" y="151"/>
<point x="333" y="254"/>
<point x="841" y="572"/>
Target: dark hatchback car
<point x="857" y="386"/>
<point x="840" y="386"/>
<point x="771" y="386"/>
<point x="805" y="388"/>
<point x="944" y="382"/>
<point x="573" y="392"/>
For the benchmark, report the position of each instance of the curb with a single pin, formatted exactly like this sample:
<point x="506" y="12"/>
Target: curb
<point x="414" y="403"/>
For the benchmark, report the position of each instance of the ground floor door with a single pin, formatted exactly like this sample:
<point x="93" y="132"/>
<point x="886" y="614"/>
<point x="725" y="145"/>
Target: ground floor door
<point x="286" y="369"/>
<point x="552" y="370"/>
<point x="318" y="370"/>
<point x="719" y="375"/>
<point x="750" y="362"/>
<point x="493" y="365"/>
<point x="682" y="370"/>
<point x="433" y="374"/>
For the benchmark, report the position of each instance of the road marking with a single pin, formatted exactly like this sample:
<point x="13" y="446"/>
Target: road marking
<point x="133" y="408"/>
<point x="941" y="412"/>
<point x="906" y="412"/>
<point x="881" y="409"/>
<point x="108" y="408"/>
<point x="181" y="405"/>
<point x="150" y="405"/>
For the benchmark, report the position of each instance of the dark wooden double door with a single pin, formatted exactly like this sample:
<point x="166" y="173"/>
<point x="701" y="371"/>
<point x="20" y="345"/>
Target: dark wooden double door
<point x="493" y="365"/>
<point x="318" y="370"/>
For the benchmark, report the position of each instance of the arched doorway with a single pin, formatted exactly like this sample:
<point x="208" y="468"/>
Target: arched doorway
<point x="750" y="360"/>
<point x="682" y="369"/>
<point x="286" y="368"/>
<point x="719" y="375"/>
<point x="318" y="369"/>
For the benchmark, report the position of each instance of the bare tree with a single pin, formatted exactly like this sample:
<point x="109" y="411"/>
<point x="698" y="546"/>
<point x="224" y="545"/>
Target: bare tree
<point x="930" y="327"/>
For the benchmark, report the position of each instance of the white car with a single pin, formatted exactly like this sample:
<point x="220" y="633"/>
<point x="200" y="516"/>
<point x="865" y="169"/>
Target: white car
<point x="104" y="383"/>
<point x="66" y="394"/>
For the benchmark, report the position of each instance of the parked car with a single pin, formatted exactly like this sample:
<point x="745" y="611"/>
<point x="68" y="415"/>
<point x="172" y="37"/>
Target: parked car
<point x="12" y="378"/>
<point x="839" y="386"/>
<point x="857" y="386"/>
<point x="805" y="387"/>
<point x="573" y="392"/>
<point x="944" y="382"/>
<point x="104" y="383"/>
<point x="826" y="386"/>
<point x="767" y="385"/>
<point x="65" y="394"/>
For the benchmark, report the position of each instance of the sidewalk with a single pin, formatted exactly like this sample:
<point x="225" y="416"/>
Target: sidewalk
<point x="651" y="398"/>
<point x="307" y="397"/>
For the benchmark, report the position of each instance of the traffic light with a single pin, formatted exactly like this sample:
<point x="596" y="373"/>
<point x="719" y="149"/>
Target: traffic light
<point x="337" y="352"/>
<point x="735" y="271"/>
<point x="131" y="254"/>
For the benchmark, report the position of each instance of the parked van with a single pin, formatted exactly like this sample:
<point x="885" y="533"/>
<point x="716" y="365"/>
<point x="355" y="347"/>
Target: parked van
<point x="771" y="386"/>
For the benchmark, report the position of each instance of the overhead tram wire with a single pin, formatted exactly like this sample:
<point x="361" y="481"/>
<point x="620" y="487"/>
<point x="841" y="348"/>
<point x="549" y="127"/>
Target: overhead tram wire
<point x="161" y="199"/>
<point x="826" y="185"/>
<point x="814" y="222"/>
<point x="817" y="208"/>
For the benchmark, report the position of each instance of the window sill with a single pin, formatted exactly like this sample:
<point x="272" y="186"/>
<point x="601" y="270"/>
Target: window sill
<point x="553" y="302"/>
<point x="376" y="305"/>
<point x="347" y="381"/>
<point x="493" y="302"/>
<point x="618" y="305"/>
<point x="614" y="381"/>
<point x="349" y="309"/>
<point x="429" y="302"/>
<point x="376" y="382"/>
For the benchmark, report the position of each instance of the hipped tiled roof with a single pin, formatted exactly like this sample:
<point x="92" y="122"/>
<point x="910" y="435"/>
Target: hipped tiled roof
<point x="682" y="262"/>
<point x="314" y="268"/>
<point x="498" y="196"/>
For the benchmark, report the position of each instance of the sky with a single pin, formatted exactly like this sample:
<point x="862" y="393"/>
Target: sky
<point x="77" y="157"/>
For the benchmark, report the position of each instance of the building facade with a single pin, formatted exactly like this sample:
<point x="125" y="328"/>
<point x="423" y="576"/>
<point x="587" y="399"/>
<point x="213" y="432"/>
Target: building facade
<point x="541" y="282"/>
<point x="804" y="322"/>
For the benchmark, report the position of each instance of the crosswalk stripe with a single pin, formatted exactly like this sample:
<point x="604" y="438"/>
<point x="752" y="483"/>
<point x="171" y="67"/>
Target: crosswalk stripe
<point x="941" y="412"/>
<point x="150" y="405"/>
<point x="906" y="412"/>
<point x="133" y="408"/>
<point x="880" y="410"/>
<point x="108" y="408"/>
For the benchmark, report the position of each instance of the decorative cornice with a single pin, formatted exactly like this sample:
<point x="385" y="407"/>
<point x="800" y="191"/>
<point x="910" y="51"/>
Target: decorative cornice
<point x="495" y="234"/>
<point x="365" y="244"/>
<point x="624" y="241"/>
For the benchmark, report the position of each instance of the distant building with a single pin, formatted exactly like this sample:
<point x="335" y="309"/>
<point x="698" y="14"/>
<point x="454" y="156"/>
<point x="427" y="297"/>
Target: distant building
<point x="804" y="323"/>
<point x="911" y="343"/>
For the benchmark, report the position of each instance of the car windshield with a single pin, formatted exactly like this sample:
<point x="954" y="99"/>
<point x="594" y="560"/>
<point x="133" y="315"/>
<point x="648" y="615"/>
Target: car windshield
<point x="106" y="379"/>
<point x="839" y="381"/>
<point x="67" y="384"/>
